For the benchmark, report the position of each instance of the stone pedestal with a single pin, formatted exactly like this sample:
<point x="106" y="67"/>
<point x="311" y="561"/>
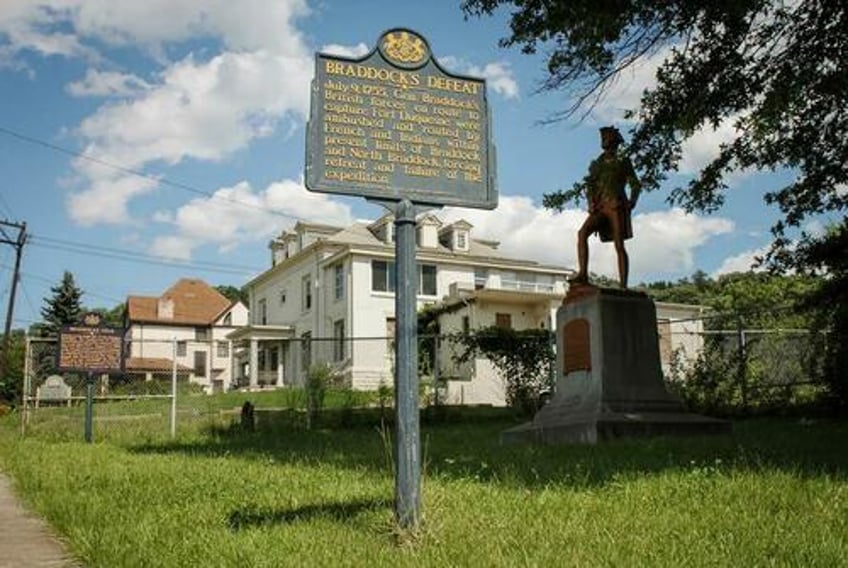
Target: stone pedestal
<point x="609" y="379"/>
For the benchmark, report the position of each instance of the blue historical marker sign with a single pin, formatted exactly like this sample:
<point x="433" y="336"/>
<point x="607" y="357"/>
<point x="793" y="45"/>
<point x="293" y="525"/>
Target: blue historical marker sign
<point x="395" y="125"/>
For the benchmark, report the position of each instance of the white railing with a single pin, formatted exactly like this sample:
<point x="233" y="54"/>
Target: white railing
<point x="525" y="286"/>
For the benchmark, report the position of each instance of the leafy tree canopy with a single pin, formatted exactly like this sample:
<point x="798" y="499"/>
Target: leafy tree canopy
<point x="775" y="69"/>
<point x="232" y="293"/>
<point x="750" y="299"/>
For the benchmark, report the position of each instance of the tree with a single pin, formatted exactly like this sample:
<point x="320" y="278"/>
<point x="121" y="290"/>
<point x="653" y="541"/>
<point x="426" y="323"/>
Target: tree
<point x="63" y="307"/>
<point x="232" y="293"/>
<point x="111" y="316"/>
<point x="12" y="380"/>
<point x="774" y="69"/>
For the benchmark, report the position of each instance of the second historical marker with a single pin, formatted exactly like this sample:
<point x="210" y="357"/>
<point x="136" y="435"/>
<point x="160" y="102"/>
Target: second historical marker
<point x="395" y="125"/>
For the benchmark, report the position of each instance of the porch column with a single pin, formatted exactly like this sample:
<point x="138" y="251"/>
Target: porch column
<point x="280" y="364"/>
<point x="254" y="362"/>
<point x="232" y="377"/>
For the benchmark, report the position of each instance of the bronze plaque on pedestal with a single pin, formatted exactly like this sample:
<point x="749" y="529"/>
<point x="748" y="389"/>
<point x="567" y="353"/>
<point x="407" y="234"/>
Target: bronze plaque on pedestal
<point x="577" y="355"/>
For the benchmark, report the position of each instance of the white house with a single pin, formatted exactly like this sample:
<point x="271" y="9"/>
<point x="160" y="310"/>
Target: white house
<point x="195" y="316"/>
<point x="329" y="297"/>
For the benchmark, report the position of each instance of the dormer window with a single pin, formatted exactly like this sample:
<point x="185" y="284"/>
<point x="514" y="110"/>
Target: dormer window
<point x="456" y="236"/>
<point x="461" y="240"/>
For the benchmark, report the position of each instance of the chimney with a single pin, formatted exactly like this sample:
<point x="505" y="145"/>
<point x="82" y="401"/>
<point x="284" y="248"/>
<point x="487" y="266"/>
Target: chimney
<point x="165" y="308"/>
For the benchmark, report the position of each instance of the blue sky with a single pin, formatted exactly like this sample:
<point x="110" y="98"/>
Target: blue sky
<point x="212" y="96"/>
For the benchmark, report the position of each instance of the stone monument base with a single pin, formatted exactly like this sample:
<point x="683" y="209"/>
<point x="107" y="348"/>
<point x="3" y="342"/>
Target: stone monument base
<point x="609" y="379"/>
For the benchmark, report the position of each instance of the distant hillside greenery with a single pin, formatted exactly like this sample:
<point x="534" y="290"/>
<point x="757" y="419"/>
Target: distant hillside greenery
<point x="750" y="299"/>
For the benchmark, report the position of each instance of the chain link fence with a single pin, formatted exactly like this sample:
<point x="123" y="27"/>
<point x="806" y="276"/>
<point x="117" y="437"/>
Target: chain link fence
<point x="180" y="386"/>
<point x="742" y="371"/>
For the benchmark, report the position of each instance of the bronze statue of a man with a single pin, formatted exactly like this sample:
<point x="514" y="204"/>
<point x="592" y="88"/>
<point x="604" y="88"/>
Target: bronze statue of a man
<point x="609" y="207"/>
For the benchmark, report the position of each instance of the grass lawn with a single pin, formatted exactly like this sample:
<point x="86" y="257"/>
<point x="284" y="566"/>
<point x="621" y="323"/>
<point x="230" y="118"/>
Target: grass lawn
<point x="773" y="493"/>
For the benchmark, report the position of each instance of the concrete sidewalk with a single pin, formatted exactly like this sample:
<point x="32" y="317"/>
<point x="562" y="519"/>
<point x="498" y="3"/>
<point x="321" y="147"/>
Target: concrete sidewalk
<point x="25" y="540"/>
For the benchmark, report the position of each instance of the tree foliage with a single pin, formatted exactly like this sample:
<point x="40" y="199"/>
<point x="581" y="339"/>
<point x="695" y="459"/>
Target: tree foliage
<point x="524" y="358"/>
<point x="749" y="299"/>
<point x="775" y="366"/>
<point x="63" y="307"/>
<point x="774" y="69"/>
<point x="12" y="379"/>
<point x="232" y="293"/>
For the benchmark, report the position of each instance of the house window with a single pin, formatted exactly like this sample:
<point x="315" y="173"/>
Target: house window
<point x="200" y="363"/>
<point x="223" y="349"/>
<point x="382" y="276"/>
<point x="282" y="297"/>
<point x="201" y="334"/>
<point x="307" y="293"/>
<point x="305" y="351"/>
<point x="338" y="280"/>
<point x="427" y="279"/>
<point x="503" y="321"/>
<point x="461" y="240"/>
<point x="338" y="340"/>
<point x="182" y="348"/>
<point x="228" y="319"/>
<point x="262" y="312"/>
<point x="481" y="276"/>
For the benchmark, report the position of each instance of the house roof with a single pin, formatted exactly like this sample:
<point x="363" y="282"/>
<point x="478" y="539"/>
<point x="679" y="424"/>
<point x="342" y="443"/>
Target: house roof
<point x="194" y="302"/>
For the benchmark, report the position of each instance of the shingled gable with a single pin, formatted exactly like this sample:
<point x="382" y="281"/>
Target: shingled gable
<point x="188" y="302"/>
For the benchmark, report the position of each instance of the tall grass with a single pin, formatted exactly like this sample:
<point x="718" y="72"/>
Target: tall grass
<point x="774" y="493"/>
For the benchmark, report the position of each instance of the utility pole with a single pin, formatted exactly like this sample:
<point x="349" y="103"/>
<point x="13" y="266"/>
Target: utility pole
<point x="18" y="243"/>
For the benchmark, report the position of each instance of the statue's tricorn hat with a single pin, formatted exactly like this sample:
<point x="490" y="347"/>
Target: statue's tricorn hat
<point x="613" y="132"/>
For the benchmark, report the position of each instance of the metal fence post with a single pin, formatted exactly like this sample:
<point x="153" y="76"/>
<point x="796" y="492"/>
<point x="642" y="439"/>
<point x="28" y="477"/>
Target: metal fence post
<point x="743" y="365"/>
<point x="89" y="407"/>
<point x="174" y="391"/>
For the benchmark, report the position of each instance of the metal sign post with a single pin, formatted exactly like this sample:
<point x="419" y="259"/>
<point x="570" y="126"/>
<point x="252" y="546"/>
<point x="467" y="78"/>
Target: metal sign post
<point x="89" y="408"/>
<point x="92" y="348"/>
<point x="408" y="442"/>
<point x="396" y="128"/>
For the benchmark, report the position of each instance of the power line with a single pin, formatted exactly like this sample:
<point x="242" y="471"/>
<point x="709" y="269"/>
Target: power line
<point x="52" y="281"/>
<point x="142" y="255"/>
<point x="141" y="260"/>
<point x="138" y="173"/>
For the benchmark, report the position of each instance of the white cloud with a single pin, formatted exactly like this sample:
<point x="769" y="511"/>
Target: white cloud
<point x="202" y="109"/>
<point x="742" y="262"/>
<point x="238" y="214"/>
<point x="499" y="78"/>
<point x="626" y="92"/>
<point x="192" y="109"/>
<point x="60" y="27"/>
<point x="353" y="51"/>
<point x="107" y="84"/>
<point x="27" y="25"/>
<point x="498" y="74"/>
<point x="664" y="242"/>
<point x="703" y="146"/>
<point x="105" y="200"/>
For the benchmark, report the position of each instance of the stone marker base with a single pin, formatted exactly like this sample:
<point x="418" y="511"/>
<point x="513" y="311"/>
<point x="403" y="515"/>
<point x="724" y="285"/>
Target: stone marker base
<point x="609" y="379"/>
